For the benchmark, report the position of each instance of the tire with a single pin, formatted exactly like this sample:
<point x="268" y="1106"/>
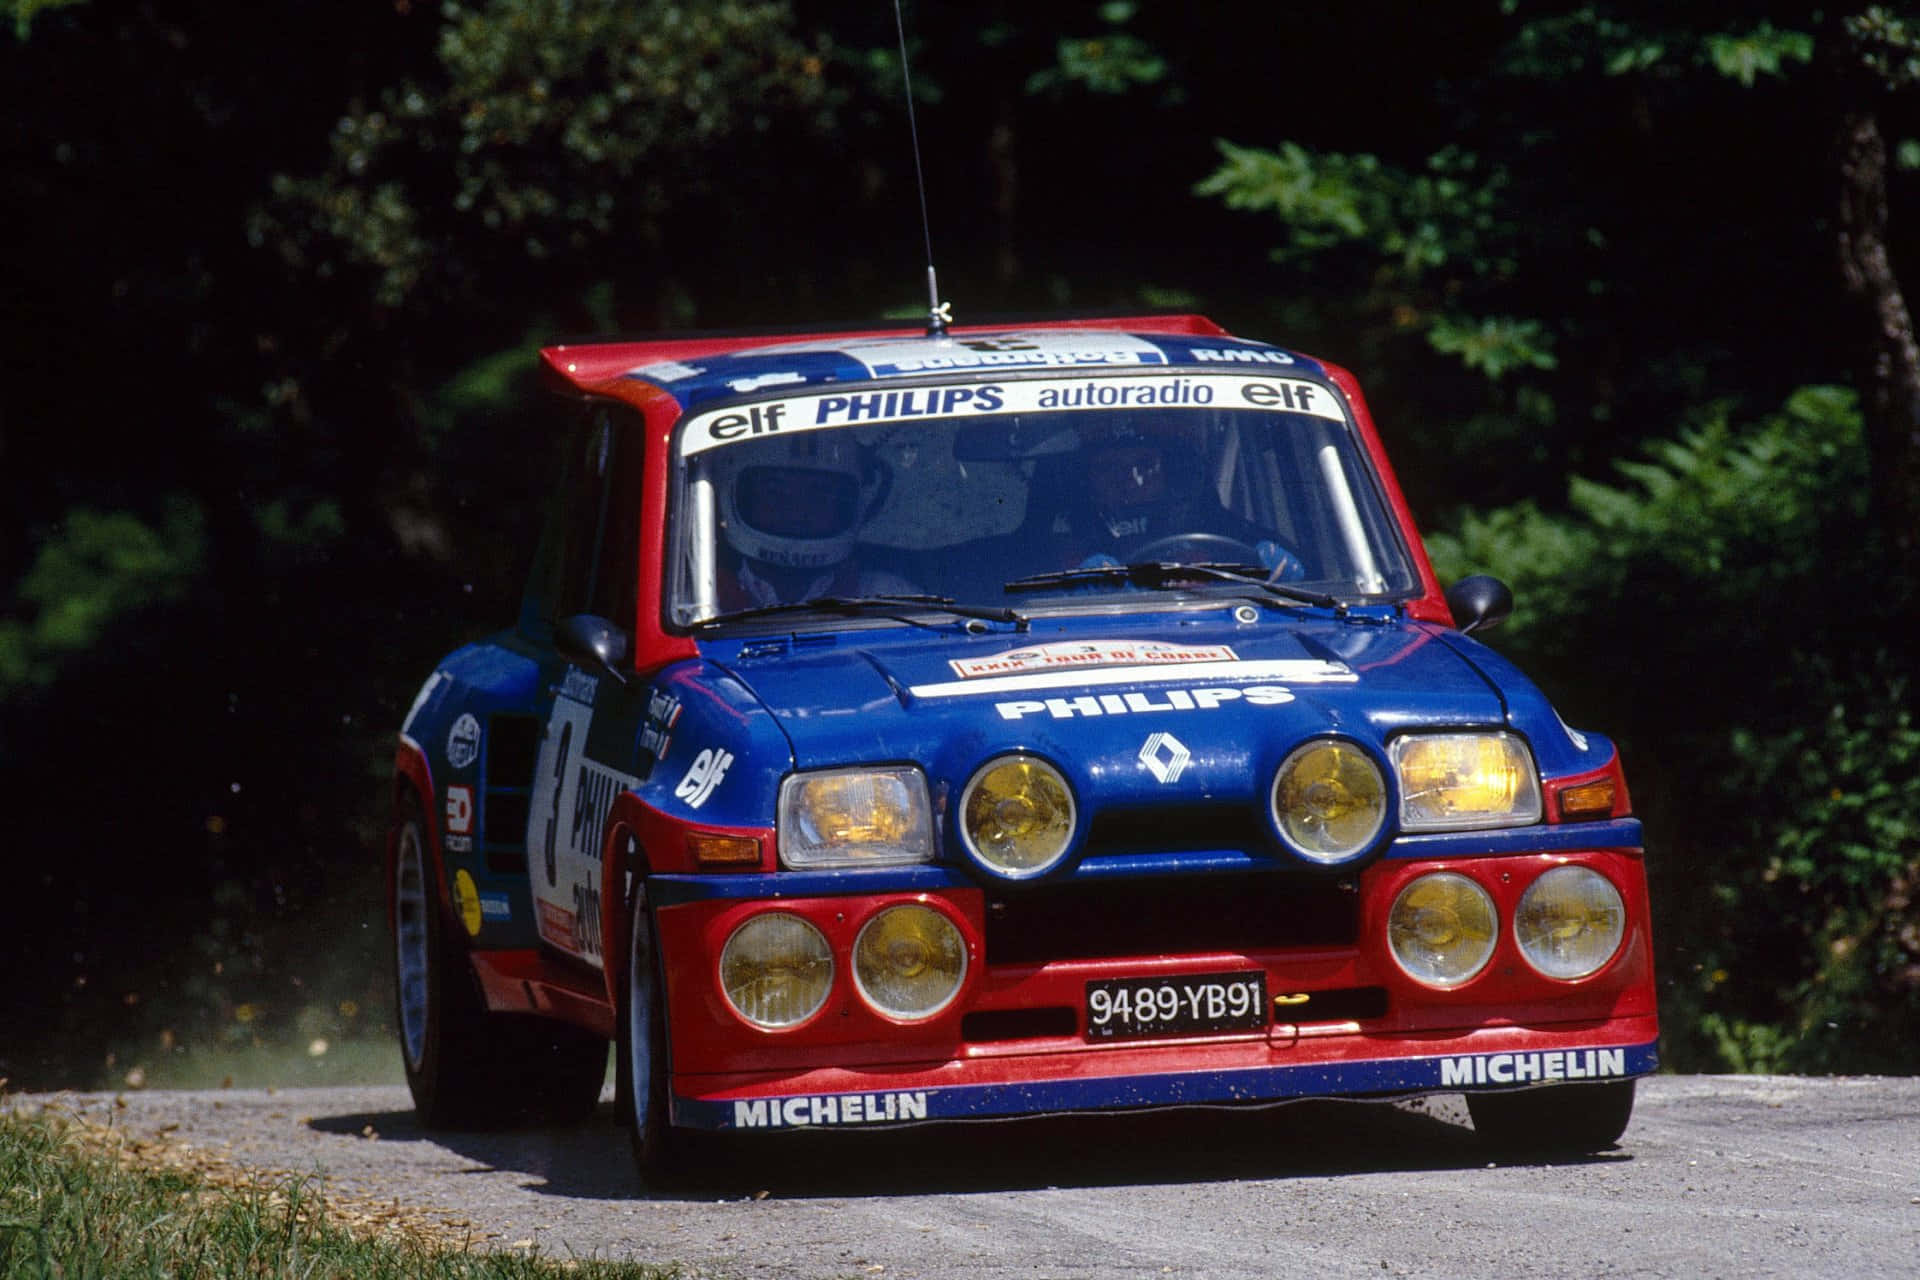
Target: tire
<point x="641" y="1056"/>
<point x="468" y="1068"/>
<point x="1567" y="1119"/>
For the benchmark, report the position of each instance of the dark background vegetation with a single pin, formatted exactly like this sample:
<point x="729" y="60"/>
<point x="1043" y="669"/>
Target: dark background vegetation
<point x="1622" y="281"/>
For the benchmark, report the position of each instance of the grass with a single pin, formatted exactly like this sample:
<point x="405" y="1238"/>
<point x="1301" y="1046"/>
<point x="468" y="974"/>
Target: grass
<point x="78" y="1201"/>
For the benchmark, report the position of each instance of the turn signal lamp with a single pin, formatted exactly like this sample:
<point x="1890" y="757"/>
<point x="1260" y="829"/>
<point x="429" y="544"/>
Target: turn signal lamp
<point x="1016" y="816"/>
<point x="1570" y="922"/>
<point x="909" y="962"/>
<point x="711" y="849"/>
<point x="1588" y="802"/>
<point x="1442" y="929"/>
<point x="1452" y="781"/>
<point x="776" y="970"/>
<point x="1329" y="801"/>
<point x="856" y="818"/>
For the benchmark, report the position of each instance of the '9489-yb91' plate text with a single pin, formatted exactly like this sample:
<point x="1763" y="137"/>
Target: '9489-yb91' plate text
<point x="1129" y="1008"/>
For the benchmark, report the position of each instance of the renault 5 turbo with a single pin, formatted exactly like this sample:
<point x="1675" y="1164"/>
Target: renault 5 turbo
<point x="903" y="728"/>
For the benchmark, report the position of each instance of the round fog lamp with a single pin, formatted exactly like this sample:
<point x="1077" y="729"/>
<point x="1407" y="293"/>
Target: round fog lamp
<point x="1329" y="801"/>
<point x="909" y="961"/>
<point x="1569" y="922"/>
<point x="776" y="970"/>
<point x="1442" y="929"/>
<point x="1016" y="816"/>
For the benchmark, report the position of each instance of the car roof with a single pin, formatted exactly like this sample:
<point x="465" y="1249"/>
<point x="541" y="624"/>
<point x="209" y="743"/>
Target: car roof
<point x="697" y="368"/>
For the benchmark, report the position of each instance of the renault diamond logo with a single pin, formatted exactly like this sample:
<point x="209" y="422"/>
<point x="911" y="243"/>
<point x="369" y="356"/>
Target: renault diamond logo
<point x="1165" y="757"/>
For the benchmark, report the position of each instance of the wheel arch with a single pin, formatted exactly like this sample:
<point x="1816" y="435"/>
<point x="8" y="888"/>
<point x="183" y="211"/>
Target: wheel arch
<point x="623" y="862"/>
<point x="413" y="779"/>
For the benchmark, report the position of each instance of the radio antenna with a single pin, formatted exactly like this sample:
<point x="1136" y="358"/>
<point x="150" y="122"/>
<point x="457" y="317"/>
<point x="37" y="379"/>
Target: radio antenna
<point x="939" y="314"/>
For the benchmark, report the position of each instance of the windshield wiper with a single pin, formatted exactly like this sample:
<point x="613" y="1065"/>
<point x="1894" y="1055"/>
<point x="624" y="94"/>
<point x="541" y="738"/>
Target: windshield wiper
<point x="891" y="606"/>
<point x="1154" y="574"/>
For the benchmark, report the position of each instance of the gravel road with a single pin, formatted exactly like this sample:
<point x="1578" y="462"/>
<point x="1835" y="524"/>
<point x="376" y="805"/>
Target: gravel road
<point x="1718" y="1176"/>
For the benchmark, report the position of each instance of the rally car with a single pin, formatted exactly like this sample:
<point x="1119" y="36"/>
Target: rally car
<point x="907" y="727"/>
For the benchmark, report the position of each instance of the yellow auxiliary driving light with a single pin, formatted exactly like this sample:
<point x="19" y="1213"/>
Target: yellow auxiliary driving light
<point x="1442" y="929"/>
<point x="1452" y="781"/>
<point x="909" y="961"/>
<point x="1016" y="816"/>
<point x="1569" y="922"/>
<point x="856" y="818"/>
<point x="776" y="970"/>
<point x="1329" y="801"/>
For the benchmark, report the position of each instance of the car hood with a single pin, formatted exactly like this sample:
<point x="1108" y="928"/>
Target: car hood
<point x="1127" y="713"/>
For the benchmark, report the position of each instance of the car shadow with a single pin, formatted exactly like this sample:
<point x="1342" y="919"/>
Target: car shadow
<point x="1307" y="1139"/>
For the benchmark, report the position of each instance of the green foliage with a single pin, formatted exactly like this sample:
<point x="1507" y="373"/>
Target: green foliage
<point x="1109" y="64"/>
<point x="554" y="127"/>
<point x="76" y="1200"/>
<point x="1557" y="46"/>
<point x="1844" y="869"/>
<point x="95" y="569"/>
<point x="23" y="12"/>
<point x="1419" y="243"/>
<point x="1494" y="345"/>
<point x="1787" y="837"/>
<point x="1886" y="45"/>
<point x="1765" y="50"/>
<point x="1446" y="217"/>
<point x="1589" y="37"/>
<point x="1726" y="514"/>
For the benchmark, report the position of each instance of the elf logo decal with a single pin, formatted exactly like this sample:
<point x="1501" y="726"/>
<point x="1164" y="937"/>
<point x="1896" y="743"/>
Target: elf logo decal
<point x="702" y="776"/>
<point x="1165" y="757"/>
<point x="1123" y="704"/>
<point x="841" y="1108"/>
<point x="1526" y="1068"/>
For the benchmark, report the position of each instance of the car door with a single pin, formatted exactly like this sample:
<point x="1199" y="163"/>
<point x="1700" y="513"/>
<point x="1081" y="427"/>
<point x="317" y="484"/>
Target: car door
<point x="590" y="712"/>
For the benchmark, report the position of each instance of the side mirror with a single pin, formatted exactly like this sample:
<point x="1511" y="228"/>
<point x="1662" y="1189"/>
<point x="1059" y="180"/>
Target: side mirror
<point x="1479" y="603"/>
<point x="592" y="641"/>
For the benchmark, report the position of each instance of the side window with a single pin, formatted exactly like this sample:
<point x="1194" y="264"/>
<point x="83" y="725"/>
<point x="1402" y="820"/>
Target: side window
<point x="582" y="515"/>
<point x="589" y="558"/>
<point x="616" y="579"/>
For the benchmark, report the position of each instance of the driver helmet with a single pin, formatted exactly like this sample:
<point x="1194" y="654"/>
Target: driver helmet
<point x="793" y="502"/>
<point x="1142" y="477"/>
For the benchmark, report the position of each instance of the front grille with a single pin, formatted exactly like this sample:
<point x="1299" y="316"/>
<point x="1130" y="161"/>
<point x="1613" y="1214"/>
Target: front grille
<point x="1157" y="916"/>
<point x="993" y="1025"/>
<point x="1178" y="828"/>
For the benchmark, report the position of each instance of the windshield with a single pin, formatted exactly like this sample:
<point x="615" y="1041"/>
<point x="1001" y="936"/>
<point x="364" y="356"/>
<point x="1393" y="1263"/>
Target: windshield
<point x="982" y="493"/>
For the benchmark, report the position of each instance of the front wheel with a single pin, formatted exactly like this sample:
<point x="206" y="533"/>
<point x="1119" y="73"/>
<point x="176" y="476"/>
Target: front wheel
<point x="468" y="1068"/>
<point x="641" y="1052"/>
<point x="1567" y="1119"/>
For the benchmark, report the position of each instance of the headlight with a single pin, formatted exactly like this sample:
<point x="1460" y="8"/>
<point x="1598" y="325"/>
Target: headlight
<point x="1569" y="922"/>
<point x="855" y="818"/>
<point x="776" y="970"/>
<point x="1442" y="929"/>
<point x="1451" y="781"/>
<point x="1016" y="816"/>
<point x="909" y="961"/>
<point x="1329" y="801"/>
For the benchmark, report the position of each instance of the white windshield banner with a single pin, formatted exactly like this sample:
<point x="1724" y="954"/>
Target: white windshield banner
<point x="830" y="410"/>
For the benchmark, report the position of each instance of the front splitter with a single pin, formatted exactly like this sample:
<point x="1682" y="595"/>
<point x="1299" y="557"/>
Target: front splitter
<point x="1162" y="1076"/>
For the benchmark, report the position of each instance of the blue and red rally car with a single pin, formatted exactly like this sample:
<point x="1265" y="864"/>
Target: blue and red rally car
<point x="910" y="728"/>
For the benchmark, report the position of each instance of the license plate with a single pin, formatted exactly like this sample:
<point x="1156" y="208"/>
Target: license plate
<point x="1129" y="1008"/>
